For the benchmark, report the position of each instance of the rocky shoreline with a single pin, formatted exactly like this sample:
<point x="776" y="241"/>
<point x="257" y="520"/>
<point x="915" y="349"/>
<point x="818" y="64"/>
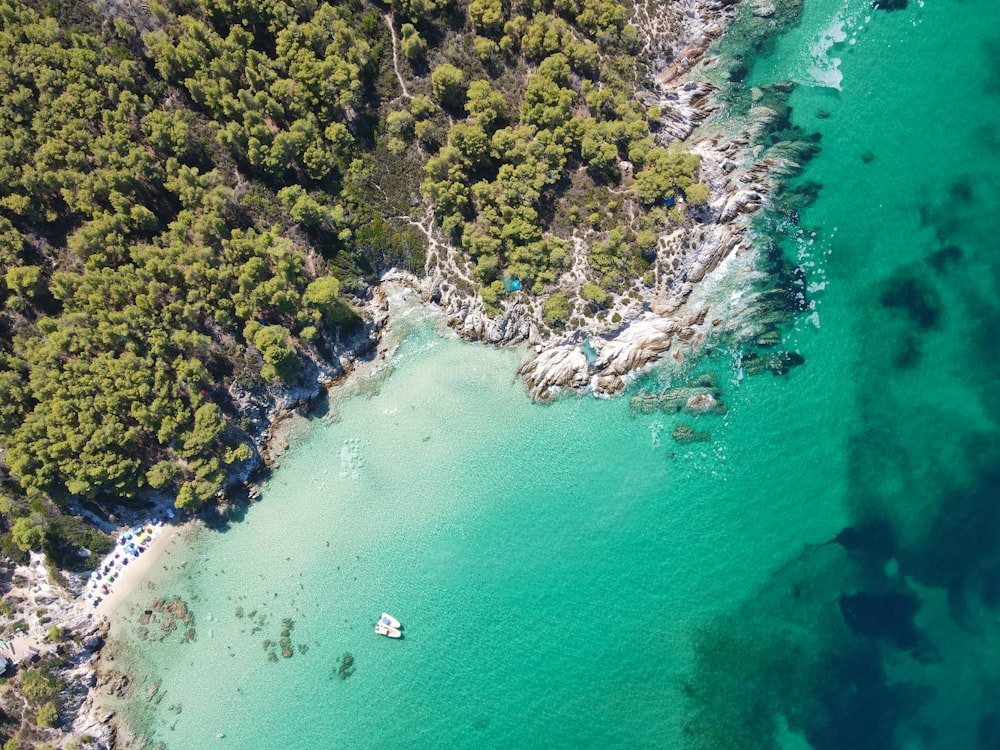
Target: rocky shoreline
<point x="688" y="302"/>
<point x="674" y="313"/>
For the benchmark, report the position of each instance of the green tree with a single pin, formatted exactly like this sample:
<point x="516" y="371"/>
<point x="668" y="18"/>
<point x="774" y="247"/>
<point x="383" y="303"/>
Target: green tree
<point x="487" y="16"/>
<point x="274" y="344"/>
<point x="486" y="105"/>
<point x="412" y="44"/>
<point x="593" y="293"/>
<point x="697" y="194"/>
<point x="447" y="85"/>
<point x="25" y="280"/>
<point x="667" y="170"/>
<point x="556" y="310"/>
<point x="40" y="685"/>
<point x="28" y="534"/>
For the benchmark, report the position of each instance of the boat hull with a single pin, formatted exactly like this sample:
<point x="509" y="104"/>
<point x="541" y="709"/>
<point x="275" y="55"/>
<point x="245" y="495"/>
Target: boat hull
<point x="388" y="631"/>
<point x="389" y="620"/>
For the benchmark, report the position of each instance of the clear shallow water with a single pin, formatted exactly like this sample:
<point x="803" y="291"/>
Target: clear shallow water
<point x="548" y="564"/>
<point x="567" y="575"/>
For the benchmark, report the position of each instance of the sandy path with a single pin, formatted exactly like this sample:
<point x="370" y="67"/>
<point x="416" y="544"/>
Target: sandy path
<point x="133" y="574"/>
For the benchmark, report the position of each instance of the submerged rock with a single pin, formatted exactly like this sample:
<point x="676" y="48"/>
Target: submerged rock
<point x="346" y="667"/>
<point x="683" y="435"/>
<point x="674" y="399"/>
<point x="645" y="403"/>
<point x="699" y="396"/>
<point x="704" y="403"/>
<point x="770" y="337"/>
<point x="777" y="363"/>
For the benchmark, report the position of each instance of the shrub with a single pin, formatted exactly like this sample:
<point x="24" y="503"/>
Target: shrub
<point x="399" y="124"/>
<point x="28" y="533"/>
<point x="48" y="715"/>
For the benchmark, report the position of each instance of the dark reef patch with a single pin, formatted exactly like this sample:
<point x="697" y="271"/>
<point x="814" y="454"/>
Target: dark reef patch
<point x="801" y="195"/>
<point x="873" y="537"/>
<point x="856" y="707"/>
<point x="943" y="259"/>
<point x="961" y="550"/>
<point x="738" y="73"/>
<point x="991" y="51"/>
<point x="890" y="4"/>
<point x="886" y="616"/>
<point x="946" y="221"/>
<point x="908" y="354"/>
<point x="914" y="296"/>
<point x="988" y="732"/>
<point x="788" y="654"/>
<point x="961" y="190"/>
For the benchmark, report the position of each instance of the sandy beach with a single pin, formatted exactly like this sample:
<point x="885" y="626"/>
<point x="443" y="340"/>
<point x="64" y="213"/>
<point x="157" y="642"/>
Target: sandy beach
<point x="132" y="575"/>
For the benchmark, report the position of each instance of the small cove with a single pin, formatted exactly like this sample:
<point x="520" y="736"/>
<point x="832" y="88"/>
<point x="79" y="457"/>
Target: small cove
<point x="560" y="569"/>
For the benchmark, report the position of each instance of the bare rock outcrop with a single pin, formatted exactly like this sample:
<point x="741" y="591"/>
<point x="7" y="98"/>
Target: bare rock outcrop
<point x="639" y="344"/>
<point x="560" y="366"/>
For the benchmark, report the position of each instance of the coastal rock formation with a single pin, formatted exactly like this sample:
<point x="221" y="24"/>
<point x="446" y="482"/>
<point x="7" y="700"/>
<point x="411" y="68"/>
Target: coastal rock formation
<point x="559" y="366"/>
<point x="683" y="109"/>
<point x="53" y="629"/>
<point x="665" y="312"/>
<point x="641" y="342"/>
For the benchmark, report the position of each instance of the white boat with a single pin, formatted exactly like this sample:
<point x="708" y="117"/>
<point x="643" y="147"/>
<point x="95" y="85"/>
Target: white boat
<point x="387" y="630"/>
<point x="387" y="619"/>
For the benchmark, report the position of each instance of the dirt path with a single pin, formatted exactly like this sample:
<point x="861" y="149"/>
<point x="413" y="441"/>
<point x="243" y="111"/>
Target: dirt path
<point x="395" y="55"/>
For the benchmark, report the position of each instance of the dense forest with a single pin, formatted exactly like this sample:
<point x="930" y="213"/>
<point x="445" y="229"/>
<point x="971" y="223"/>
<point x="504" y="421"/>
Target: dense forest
<point x="195" y="195"/>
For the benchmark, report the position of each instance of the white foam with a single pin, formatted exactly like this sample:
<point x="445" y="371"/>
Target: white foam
<point x="654" y="431"/>
<point x="822" y="68"/>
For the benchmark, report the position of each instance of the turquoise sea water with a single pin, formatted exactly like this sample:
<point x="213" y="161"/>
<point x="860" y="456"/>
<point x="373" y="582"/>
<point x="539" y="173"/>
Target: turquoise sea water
<point x="569" y="576"/>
